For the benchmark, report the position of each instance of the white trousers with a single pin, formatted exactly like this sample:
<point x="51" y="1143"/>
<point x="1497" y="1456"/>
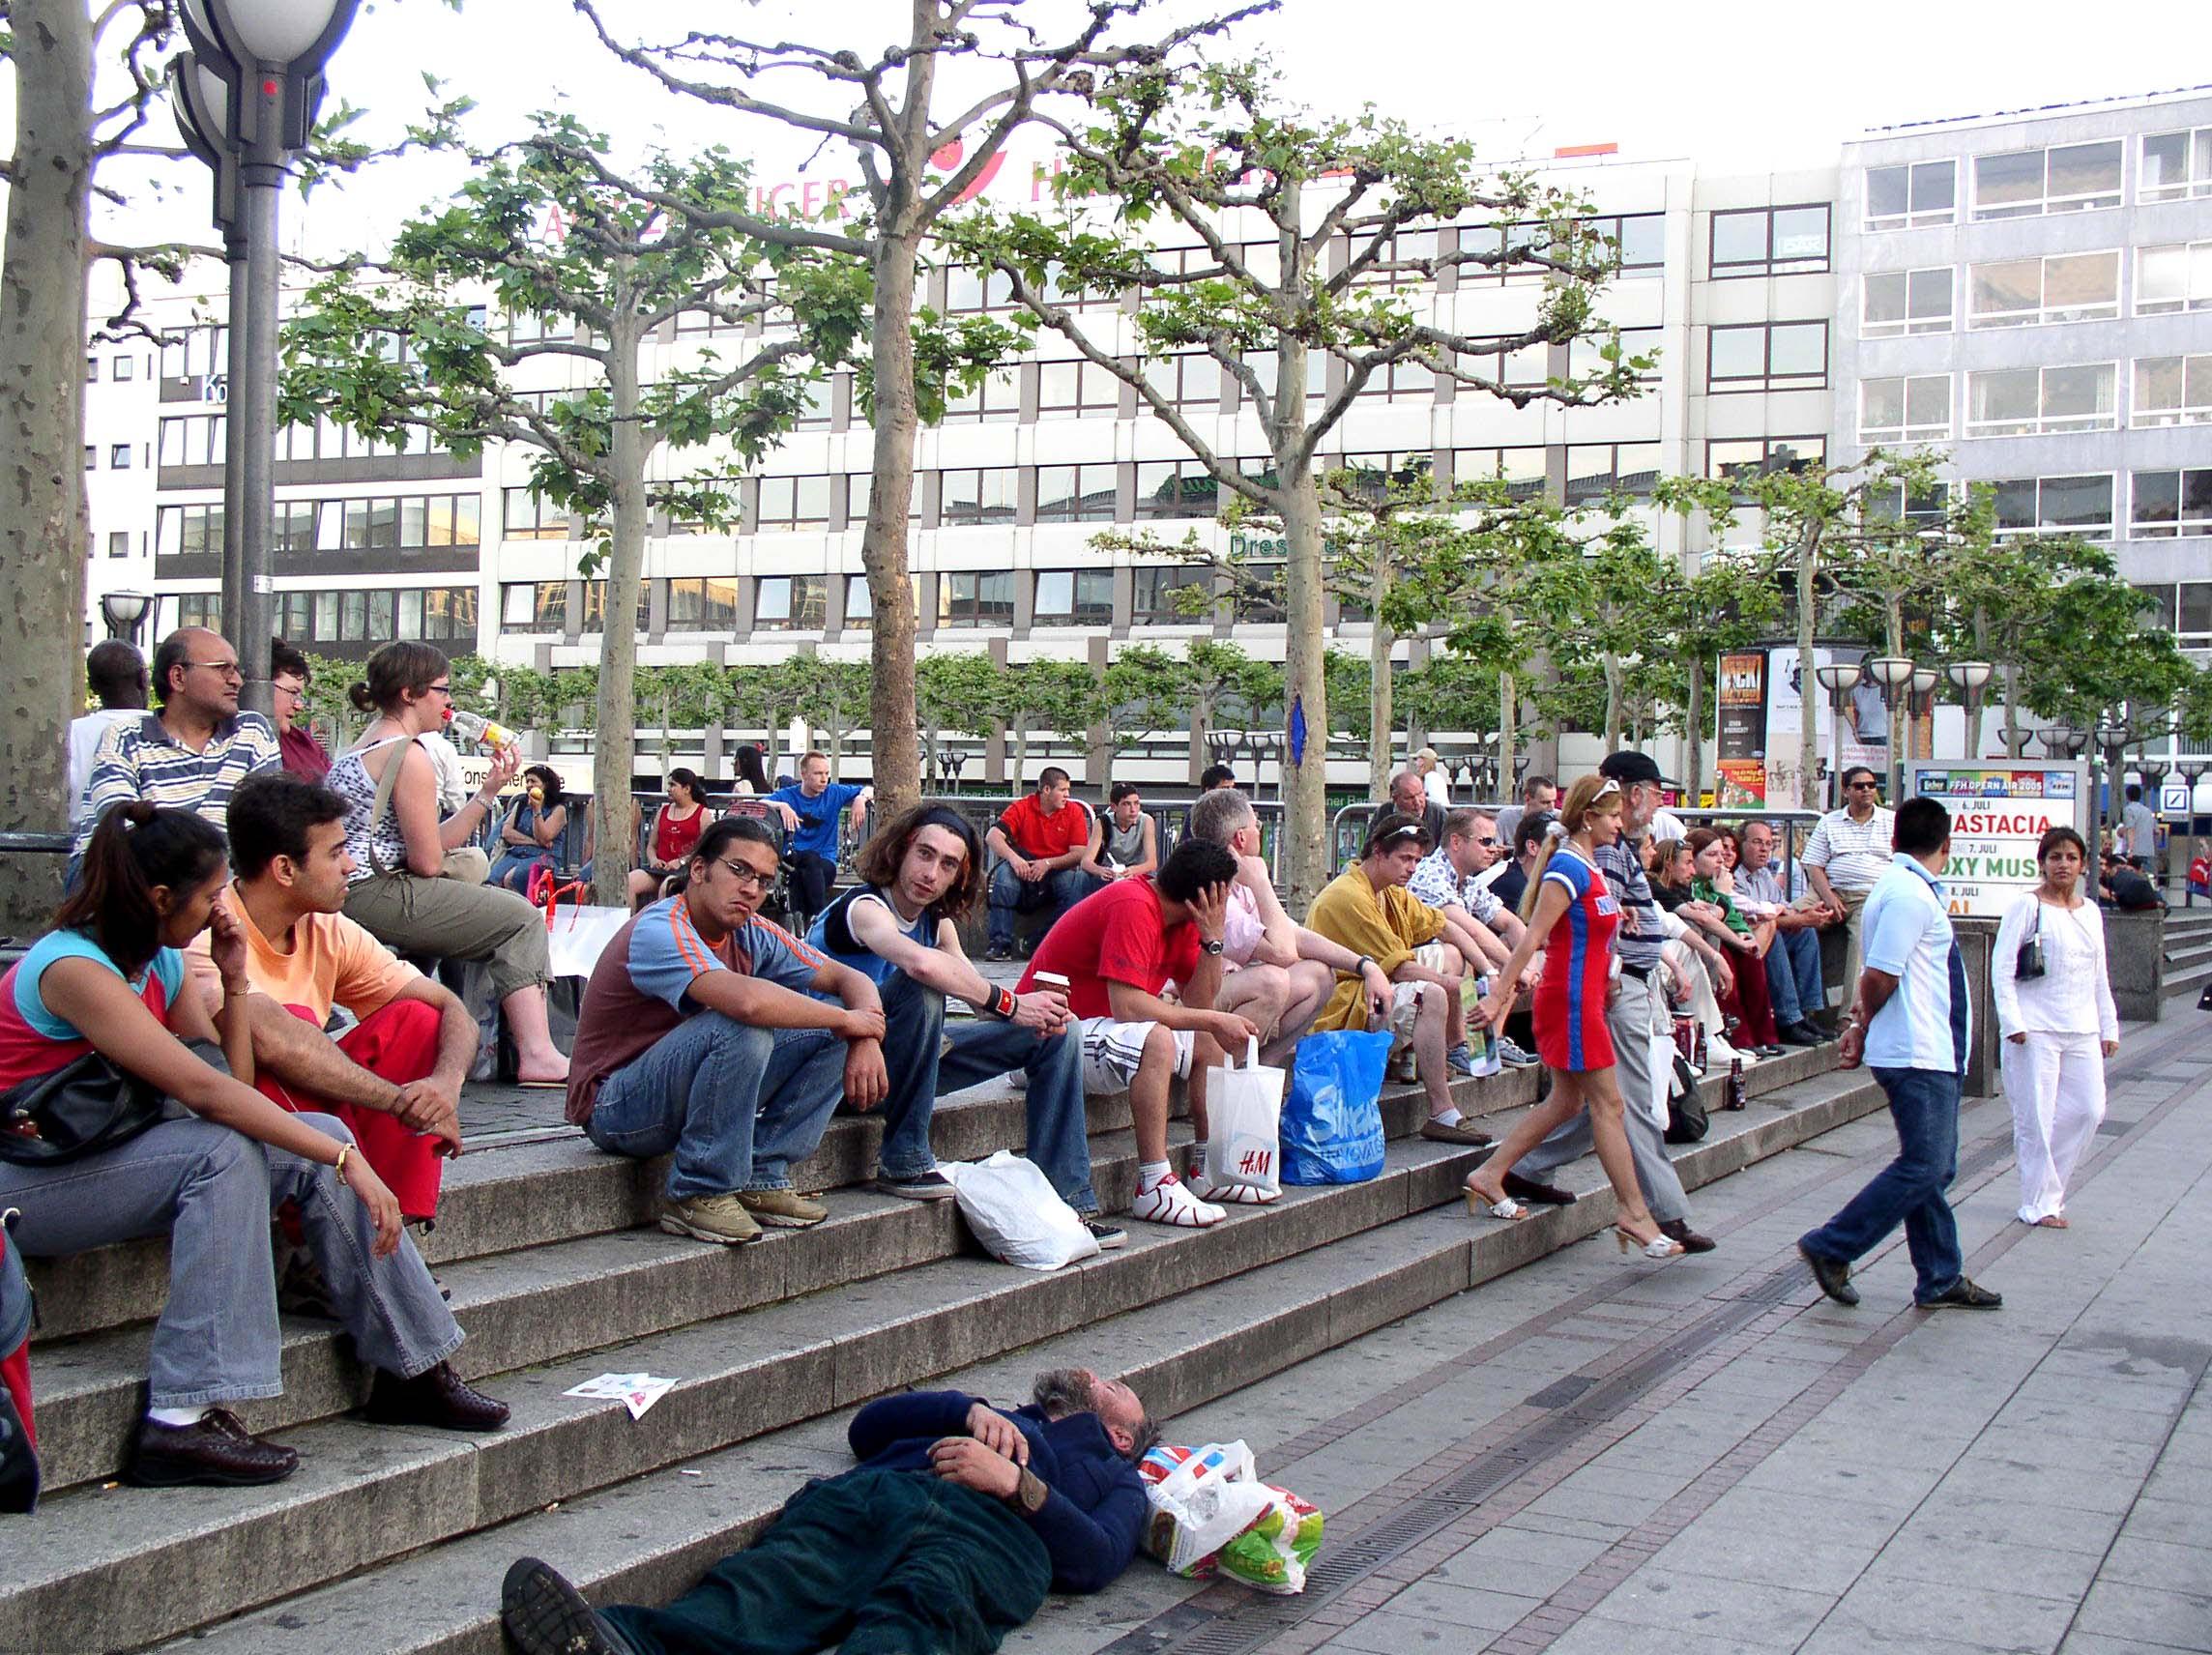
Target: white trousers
<point x="2055" y="1084"/>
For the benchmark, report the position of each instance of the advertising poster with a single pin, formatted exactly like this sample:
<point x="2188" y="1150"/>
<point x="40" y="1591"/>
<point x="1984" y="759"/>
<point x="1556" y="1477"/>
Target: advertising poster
<point x="1998" y="814"/>
<point x="1864" y="738"/>
<point x="1742" y="753"/>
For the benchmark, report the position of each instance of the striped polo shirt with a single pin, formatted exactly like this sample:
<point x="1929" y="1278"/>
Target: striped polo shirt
<point x="1853" y="854"/>
<point x="1642" y="932"/>
<point x="139" y="759"/>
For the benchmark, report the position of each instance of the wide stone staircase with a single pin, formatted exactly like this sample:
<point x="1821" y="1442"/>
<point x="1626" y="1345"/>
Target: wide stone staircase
<point x="396" y="1539"/>
<point x="2188" y="947"/>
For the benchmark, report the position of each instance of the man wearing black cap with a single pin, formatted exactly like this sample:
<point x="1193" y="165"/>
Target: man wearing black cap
<point x="1631" y="1015"/>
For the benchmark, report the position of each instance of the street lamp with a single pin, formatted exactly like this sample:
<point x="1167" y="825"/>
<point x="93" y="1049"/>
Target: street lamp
<point x="1970" y="677"/>
<point x="1838" y="680"/>
<point x="267" y="57"/>
<point x="123" y="611"/>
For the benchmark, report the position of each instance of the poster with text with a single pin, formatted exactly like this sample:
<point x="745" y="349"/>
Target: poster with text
<point x="1998" y="814"/>
<point x="1742" y="751"/>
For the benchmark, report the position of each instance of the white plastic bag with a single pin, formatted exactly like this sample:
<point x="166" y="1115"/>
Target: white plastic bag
<point x="1211" y="1515"/>
<point x="1244" y="1143"/>
<point x="1017" y="1215"/>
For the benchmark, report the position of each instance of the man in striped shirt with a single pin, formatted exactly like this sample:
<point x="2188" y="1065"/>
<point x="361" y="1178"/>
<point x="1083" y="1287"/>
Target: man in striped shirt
<point x="1849" y="850"/>
<point x="190" y="754"/>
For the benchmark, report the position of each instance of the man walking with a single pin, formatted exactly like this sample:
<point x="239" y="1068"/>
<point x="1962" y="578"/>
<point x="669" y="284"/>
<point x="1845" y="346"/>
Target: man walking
<point x="1636" y="1011"/>
<point x="1794" y="963"/>
<point x="1909" y="1020"/>
<point x="1848" y="852"/>
<point x="2139" y="829"/>
<point x="1041" y="841"/>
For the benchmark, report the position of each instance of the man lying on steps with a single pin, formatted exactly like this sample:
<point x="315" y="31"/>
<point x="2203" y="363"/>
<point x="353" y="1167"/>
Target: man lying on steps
<point x="944" y="1538"/>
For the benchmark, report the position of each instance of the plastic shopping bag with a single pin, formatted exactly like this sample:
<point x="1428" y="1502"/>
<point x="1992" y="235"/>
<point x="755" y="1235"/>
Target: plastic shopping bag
<point x="1245" y="1107"/>
<point x="1016" y="1213"/>
<point x="1211" y="1514"/>
<point x="1332" y="1124"/>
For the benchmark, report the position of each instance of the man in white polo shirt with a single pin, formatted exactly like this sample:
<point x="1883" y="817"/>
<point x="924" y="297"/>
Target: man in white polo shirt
<point x="1847" y="854"/>
<point x="1909" y="1021"/>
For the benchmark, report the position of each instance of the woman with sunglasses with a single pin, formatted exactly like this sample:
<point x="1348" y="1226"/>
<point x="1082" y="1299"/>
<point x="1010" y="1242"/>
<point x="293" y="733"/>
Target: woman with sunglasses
<point x="399" y="889"/>
<point x="1571" y="917"/>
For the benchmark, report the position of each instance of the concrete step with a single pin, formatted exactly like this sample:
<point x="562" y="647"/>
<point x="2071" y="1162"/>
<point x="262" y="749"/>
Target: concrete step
<point x="2194" y="949"/>
<point x="648" y="1538"/>
<point x="2188" y="979"/>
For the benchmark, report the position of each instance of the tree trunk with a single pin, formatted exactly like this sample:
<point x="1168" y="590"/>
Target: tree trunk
<point x="1305" y="690"/>
<point x="42" y="436"/>
<point x="1508" y="719"/>
<point x="892" y="722"/>
<point x="1694" y="718"/>
<point x="1613" y="675"/>
<point x="614" y="746"/>
<point x="1379" y="713"/>
<point x="1810" y="697"/>
<point x="1899" y="699"/>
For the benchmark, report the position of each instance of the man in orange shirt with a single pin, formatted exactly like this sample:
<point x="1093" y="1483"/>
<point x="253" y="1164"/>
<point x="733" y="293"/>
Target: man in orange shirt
<point x="1038" y="841"/>
<point x="395" y="1078"/>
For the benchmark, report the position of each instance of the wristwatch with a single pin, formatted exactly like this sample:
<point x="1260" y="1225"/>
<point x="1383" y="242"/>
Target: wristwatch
<point x="1213" y="945"/>
<point x="1028" y="1496"/>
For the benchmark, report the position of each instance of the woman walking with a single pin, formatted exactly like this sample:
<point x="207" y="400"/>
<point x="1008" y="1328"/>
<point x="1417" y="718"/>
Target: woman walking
<point x="1571" y="917"/>
<point x="2059" y="1025"/>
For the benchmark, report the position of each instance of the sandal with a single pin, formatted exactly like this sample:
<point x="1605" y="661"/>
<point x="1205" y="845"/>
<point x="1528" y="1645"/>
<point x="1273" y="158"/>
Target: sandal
<point x="1505" y="1210"/>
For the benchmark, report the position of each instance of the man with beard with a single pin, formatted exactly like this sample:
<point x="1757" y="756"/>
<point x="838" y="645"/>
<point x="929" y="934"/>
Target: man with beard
<point x="946" y="1537"/>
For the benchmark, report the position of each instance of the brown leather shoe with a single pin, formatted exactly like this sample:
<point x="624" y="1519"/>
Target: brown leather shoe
<point x="218" y="1452"/>
<point x="1679" y="1230"/>
<point x="440" y="1399"/>
<point x="1461" y="1132"/>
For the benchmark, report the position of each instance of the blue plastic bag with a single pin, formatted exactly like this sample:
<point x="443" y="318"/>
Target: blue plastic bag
<point x="1332" y="1122"/>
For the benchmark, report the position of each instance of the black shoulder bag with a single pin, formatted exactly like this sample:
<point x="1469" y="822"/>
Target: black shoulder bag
<point x="2028" y="962"/>
<point x="84" y="1107"/>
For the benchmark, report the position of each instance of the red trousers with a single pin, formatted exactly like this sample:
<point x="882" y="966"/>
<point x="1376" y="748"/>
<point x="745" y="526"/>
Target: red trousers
<point x="1749" y="1000"/>
<point x="397" y="1042"/>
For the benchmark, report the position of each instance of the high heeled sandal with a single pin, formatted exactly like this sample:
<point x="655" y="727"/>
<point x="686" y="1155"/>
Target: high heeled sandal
<point x="1658" y="1247"/>
<point x="1505" y="1210"/>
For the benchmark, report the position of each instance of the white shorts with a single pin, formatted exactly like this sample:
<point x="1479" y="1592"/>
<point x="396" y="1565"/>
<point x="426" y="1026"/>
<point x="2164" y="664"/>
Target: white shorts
<point x="1113" y="1053"/>
<point x="1406" y="1005"/>
<point x="1430" y="956"/>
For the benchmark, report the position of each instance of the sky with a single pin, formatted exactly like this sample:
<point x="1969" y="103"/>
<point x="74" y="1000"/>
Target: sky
<point x="1729" y="84"/>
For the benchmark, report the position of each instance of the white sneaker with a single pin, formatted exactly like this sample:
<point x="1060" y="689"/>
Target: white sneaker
<point x="1239" y="1195"/>
<point x="1169" y="1202"/>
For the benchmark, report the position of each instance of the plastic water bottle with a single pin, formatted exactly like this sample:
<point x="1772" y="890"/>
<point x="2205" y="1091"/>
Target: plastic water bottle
<point x="476" y="727"/>
<point x="1487" y="1061"/>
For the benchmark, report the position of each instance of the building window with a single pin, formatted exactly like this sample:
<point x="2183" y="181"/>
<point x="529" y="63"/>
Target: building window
<point x="1923" y="509"/>
<point x="2175" y="165"/>
<point x="92" y="371"/>
<point x="1257" y="599"/>
<point x="971" y="497"/>
<point x="1072" y="390"/>
<point x="791" y="604"/>
<point x="1767" y="356"/>
<point x="1530" y="365"/>
<point x="1074" y="597"/>
<point x="91" y="457"/>
<point x="1075" y="494"/>
<point x="529" y="330"/>
<point x="1175" y="488"/>
<point x="975" y="598"/>
<point x="1898" y="302"/>
<point x="118" y="457"/>
<point x="1156" y="597"/>
<point x="200" y="609"/>
<point x="2056" y="506"/>
<point x="793" y="502"/>
<point x="121" y="368"/>
<point x="2070" y="178"/>
<point x="2193" y="614"/>
<point x="1266" y="367"/>
<point x="1749" y="457"/>
<point x="860" y="604"/>
<point x="1641" y="239"/>
<point x="292" y="527"/>
<point x="859" y="485"/>
<point x="1584" y="359"/>
<point x="447" y="612"/>
<point x="1401" y="381"/>
<point x="995" y="402"/>
<point x="534" y="606"/>
<point x="1190" y="381"/>
<point x="1770" y="241"/>
<point x="970" y="290"/>
<point x="190" y="440"/>
<point x="1909" y="197"/>
<point x="2028" y="401"/>
<point x="527" y="517"/>
<point x="1378" y="477"/>
<point x="187" y="531"/>
<point x="2171" y="502"/>
<point x="596" y="606"/>
<point x="119" y="542"/>
<point x="1400" y="247"/>
<point x="1596" y="470"/>
<point x="1914" y="410"/>
<point x="2173" y="390"/>
<point x="2066" y="287"/>
<point x="2175" y="277"/>
<point x="702" y="605"/>
<point x="1521" y="470"/>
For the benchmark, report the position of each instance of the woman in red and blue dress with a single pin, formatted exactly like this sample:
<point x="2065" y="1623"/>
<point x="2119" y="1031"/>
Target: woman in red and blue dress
<point x="1571" y="917"/>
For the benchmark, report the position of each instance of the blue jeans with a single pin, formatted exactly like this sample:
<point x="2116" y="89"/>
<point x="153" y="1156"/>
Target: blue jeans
<point x="513" y="870"/>
<point x="1794" y="976"/>
<point x="1925" y="1105"/>
<point x="737" y="1104"/>
<point x="1011" y="894"/>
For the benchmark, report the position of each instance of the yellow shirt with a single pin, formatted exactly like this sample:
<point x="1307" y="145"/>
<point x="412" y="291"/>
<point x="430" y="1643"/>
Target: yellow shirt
<point x="1386" y="925"/>
<point x="332" y="961"/>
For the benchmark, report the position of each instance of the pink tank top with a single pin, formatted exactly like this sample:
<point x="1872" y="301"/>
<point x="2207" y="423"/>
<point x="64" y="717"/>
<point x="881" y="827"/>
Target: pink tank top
<point x="1241" y="927"/>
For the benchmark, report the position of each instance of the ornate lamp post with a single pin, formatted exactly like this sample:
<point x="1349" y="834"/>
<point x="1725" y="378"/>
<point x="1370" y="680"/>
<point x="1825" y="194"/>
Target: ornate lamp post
<point x="1970" y="677"/>
<point x="125" y="612"/>
<point x="1838" y="680"/>
<point x="1894" y="674"/>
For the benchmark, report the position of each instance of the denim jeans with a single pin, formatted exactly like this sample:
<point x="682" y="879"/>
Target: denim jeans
<point x="1794" y="976"/>
<point x="923" y="1069"/>
<point x="1924" y="1103"/>
<point x="210" y="1191"/>
<point x="737" y="1104"/>
<point x="1011" y="894"/>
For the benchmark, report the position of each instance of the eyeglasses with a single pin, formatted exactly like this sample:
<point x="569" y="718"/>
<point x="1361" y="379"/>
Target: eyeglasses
<point x="1488" y="842"/>
<point x="297" y="691"/>
<point x="228" y="669"/>
<point x="747" y="879"/>
<point x="1856" y="785"/>
<point x="444" y="689"/>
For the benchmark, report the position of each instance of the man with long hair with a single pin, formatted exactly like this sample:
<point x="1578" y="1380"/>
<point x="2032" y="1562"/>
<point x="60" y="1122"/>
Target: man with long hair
<point x="899" y="927"/>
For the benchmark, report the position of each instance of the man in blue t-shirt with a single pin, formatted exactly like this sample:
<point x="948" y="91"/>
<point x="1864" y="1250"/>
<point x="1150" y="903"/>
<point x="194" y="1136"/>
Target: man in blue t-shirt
<point x="810" y="811"/>
<point x="900" y="928"/>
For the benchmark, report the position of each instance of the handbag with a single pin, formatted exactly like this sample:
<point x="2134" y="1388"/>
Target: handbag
<point x="1687" y="1121"/>
<point x="83" y="1107"/>
<point x="2028" y="962"/>
<point x="465" y="864"/>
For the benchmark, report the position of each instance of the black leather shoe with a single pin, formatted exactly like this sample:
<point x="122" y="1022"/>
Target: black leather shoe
<point x="545" y="1615"/>
<point x="440" y="1399"/>
<point x="1833" y="1275"/>
<point x="1799" y="1034"/>
<point x="1965" y="1296"/>
<point x="1679" y="1230"/>
<point x="1544" y="1194"/>
<point x="218" y="1452"/>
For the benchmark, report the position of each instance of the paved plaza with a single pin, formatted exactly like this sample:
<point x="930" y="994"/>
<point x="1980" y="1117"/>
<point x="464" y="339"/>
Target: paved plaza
<point x="1708" y="1457"/>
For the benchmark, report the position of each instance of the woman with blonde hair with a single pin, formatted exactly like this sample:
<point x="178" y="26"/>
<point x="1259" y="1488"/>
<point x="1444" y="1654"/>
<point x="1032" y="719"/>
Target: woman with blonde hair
<point x="1573" y="917"/>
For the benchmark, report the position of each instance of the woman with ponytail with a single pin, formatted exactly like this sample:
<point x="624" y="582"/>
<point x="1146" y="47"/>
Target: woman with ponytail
<point x="104" y="985"/>
<point x="400" y="892"/>
<point x="1571" y="917"/>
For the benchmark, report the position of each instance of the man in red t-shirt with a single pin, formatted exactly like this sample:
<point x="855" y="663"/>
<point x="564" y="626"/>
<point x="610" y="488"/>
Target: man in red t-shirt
<point x="1037" y="840"/>
<point x="1117" y="948"/>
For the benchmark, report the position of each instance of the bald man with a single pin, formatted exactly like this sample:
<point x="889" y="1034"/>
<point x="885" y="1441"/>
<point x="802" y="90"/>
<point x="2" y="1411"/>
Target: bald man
<point x="191" y="754"/>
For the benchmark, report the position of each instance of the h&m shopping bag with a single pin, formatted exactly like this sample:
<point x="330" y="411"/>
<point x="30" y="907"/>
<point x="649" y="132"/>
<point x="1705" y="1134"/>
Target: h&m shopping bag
<point x="1243" y="1147"/>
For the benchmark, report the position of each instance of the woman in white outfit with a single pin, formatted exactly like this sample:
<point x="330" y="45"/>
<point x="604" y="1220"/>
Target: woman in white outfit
<point x="2058" y="1028"/>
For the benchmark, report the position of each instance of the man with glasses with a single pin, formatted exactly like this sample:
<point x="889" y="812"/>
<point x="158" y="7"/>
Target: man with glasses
<point x="1848" y="852"/>
<point x="1450" y="880"/>
<point x="191" y="754"/>
<point x="710" y="1032"/>
<point x="303" y="755"/>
